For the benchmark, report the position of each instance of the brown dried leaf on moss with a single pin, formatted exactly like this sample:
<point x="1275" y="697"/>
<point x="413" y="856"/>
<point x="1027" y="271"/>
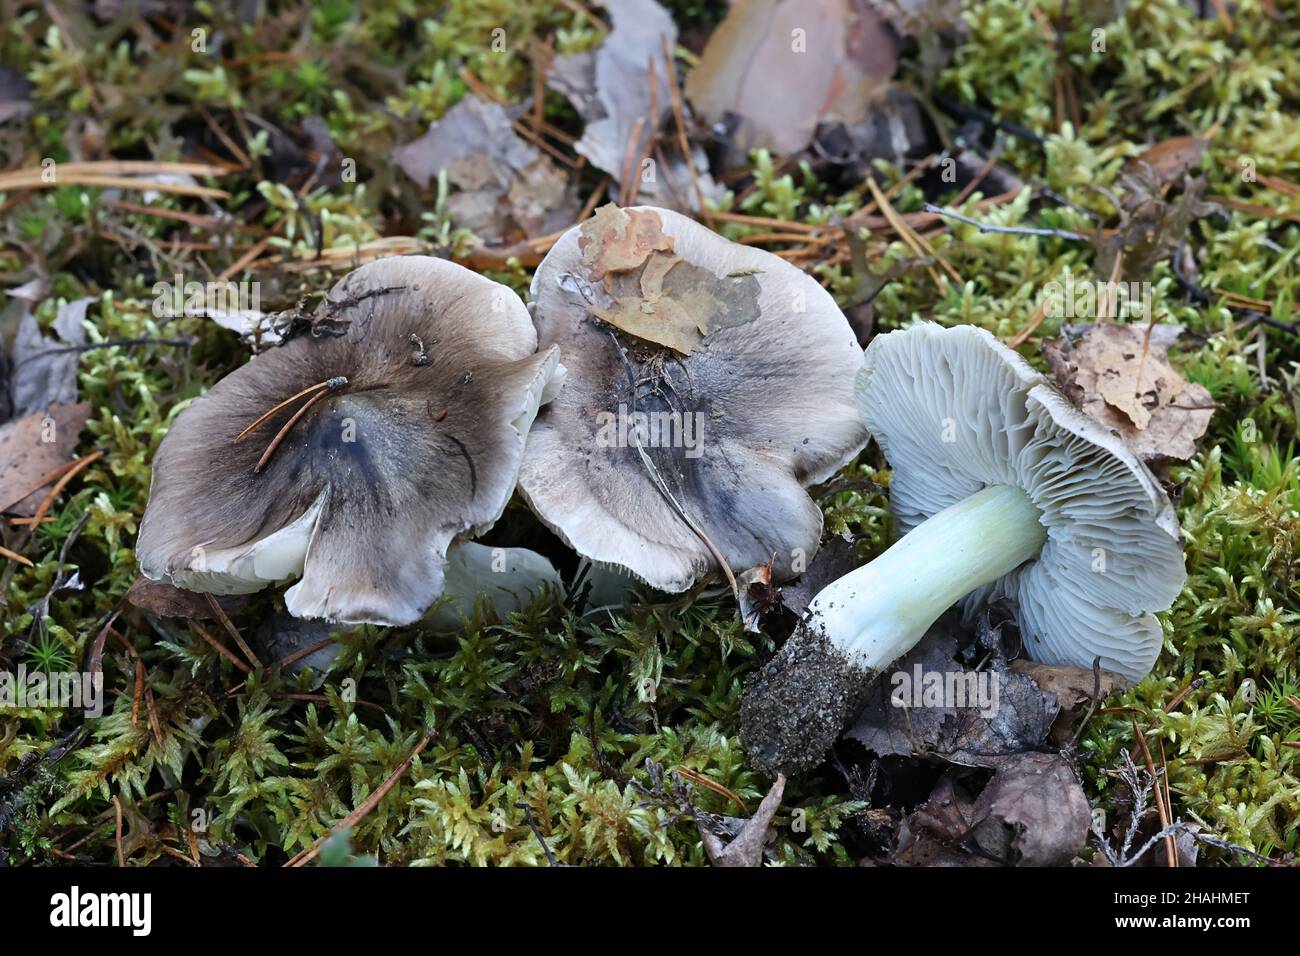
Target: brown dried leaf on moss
<point x="1072" y="686"/>
<point x="1121" y="376"/>
<point x="166" y="600"/>
<point x="33" y="446"/>
<point x="505" y="187"/>
<point x="1171" y="159"/>
<point x="1033" y="812"/>
<point x="780" y="67"/>
<point x="913" y="709"/>
<point x="1152" y="227"/>
<point x="746" y="847"/>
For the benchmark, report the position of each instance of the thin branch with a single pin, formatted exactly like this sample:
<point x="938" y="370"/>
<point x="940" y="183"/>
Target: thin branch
<point x="1008" y="230"/>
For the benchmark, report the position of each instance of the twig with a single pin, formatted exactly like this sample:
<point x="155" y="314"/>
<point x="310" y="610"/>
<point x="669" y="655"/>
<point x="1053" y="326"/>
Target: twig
<point x="280" y="435"/>
<point x="233" y="631"/>
<point x="110" y="344"/>
<point x="15" y="556"/>
<point x="1031" y="326"/>
<point x="117" y="830"/>
<point x="551" y="859"/>
<point x="220" y="648"/>
<point x="1171" y="853"/>
<point x="1009" y="230"/>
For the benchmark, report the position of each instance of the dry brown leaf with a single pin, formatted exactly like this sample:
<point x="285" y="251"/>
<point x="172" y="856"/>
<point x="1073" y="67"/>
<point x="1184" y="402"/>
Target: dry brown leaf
<point x="504" y="188"/>
<point x="758" y="595"/>
<point x="780" y="67"/>
<point x="1033" y="812"/>
<point x="1171" y="158"/>
<point x="1121" y="376"/>
<point x="167" y="600"/>
<point x="746" y="848"/>
<point x="28" y="456"/>
<point x="668" y="301"/>
<point x="985" y="733"/>
<point x="619" y="240"/>
<point x="1071" y="686"/>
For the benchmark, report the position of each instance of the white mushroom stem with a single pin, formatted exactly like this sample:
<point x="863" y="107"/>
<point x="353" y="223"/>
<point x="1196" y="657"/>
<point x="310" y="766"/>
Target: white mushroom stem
<point x="878" y="613"/>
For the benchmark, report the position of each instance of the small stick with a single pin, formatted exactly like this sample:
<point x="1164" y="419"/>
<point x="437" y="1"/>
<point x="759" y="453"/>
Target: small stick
<point x="1171" y="856"/>
<point x="117" y="830"/>
<point x="330" y="384"/>
<point x="683" y="142"/>
<point x="1009" y="230"/>
<point x="220" y="648"/>
<point x="225" y="622"/>
<point x="1031" y="326"/>
<point x="15" y="556"/>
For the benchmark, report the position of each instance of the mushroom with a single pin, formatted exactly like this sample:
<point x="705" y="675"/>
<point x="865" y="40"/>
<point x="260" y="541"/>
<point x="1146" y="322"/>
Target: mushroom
<point x="354" y="454"/>
<point x="509" y="578"/>
<point x="708" y="384"/>
<point x="1002" y="489"/>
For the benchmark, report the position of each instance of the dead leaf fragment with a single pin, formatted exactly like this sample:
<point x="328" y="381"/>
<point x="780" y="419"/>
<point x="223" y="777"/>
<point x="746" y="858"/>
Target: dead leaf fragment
<point x="758" y="595"/>
<point x="776" y="68"/>
<point x="619" y="240"/>
<point x="746" y="848"/>
<point x="1033" y="812"/>
<point x="620" y="88"/>
<point x="652" y="293"/>
<point x="504" y="186"/>
<point x="166" y="600"/>
<point x="938" y="832"/>
<point x="927" y="704"/>
<point x="1172" y="158"/>
<point x="1121" y="376"/>
<point x="26" y="456"/>
<point x="44" y="369"/>
<point x="1072" y="686"/>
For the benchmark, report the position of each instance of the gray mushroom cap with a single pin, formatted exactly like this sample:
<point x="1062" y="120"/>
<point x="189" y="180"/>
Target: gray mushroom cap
<point x="769" y="388"/>
<point x="955" y="411"/>
<point x="368" y="489"/>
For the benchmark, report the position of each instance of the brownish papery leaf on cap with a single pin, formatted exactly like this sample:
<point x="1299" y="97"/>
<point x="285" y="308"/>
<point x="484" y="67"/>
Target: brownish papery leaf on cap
<point x="1121" y="376"/>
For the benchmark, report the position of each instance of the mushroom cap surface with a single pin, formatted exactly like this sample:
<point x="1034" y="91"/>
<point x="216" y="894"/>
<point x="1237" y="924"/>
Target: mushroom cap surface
<point x="767" y="389"/>
<point x="954" y="411"/>
<point x="366" y="491"/>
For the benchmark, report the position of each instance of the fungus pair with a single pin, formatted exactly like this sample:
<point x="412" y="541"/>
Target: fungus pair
<point x="707" y="384"/>
<point x="1002" y="489"/>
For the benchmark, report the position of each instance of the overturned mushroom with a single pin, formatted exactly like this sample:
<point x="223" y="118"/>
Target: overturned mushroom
<point x="354" y="454"/>
<point x="1003" y="490"/>
<point x="708" y="384"/>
